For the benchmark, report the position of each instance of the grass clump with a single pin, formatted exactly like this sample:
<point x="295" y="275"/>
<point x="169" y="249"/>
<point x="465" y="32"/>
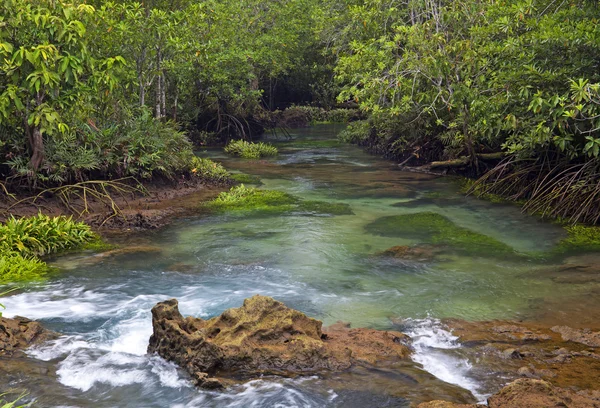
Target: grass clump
<point x="24" y="240"/>
<point x="244" y="178"/>
<point x="580" y="238"/>
<point x="252" y="199"/>
<point x="209" y="170"/>
<point x="249" y="150"/>
<point x="436" y="229"/>
<point x="248" y="199"/>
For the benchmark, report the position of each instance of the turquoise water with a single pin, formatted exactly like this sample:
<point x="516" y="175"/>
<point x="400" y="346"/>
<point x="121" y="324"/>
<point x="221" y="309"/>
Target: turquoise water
<point x="326" y="266"/>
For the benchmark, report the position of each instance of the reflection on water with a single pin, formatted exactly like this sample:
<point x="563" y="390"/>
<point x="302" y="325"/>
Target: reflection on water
<point x="325" y="266"/>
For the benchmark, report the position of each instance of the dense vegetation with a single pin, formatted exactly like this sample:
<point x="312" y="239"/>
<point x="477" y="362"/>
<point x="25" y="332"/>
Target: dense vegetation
<point x="505" y="90"/>
<point x="24" y="240"/>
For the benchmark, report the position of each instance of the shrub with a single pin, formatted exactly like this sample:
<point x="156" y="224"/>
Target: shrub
<point x="16" y="268"/>
<point x="209" y="170"/>
<point x="141" y="146"/>
<point x="249" y="150"/>
<point x="24" y="239"/>
<point x="42" y="235"/>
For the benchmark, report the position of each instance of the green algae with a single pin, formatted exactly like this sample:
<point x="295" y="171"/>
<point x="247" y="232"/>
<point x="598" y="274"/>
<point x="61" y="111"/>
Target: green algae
<point x="436" y="229"/>
<point x="244" y="199"/>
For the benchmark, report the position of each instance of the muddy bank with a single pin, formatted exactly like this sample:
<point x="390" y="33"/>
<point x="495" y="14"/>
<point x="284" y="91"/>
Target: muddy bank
<point x="133" y="211"/>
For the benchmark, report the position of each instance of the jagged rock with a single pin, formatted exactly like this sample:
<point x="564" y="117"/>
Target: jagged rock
<point x="264" y="336"/>
<point x="19" y="333"/>
<point x="583" y="336"/>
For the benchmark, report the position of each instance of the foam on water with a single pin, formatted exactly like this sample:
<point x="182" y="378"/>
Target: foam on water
<point x="433" y="349"/>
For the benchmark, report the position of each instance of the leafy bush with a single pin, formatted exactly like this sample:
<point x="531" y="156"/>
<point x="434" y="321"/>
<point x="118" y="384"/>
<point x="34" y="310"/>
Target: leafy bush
<point x="16" y="268"/>
<point x="209" y="170"/>
<point x="24" y="239"/>
<point x="141" y="146"/>
<point x="249" y="150"/>
<point x="42" y="235"/>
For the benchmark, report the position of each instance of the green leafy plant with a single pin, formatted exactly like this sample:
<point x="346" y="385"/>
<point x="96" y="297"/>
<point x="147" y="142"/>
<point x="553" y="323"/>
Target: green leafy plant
<point x="249" y="150"/>
<point x="26" y="239"/>
<point x="209" y="170"/>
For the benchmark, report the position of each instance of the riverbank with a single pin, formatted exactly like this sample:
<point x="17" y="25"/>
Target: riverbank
<point x="152" y="207"/>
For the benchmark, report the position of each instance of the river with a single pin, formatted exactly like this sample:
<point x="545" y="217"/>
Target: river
<point x="325" y="266"/>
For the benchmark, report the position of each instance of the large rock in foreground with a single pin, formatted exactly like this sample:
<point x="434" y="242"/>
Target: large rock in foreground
<point x="264" y="337"/>
<point x="20" y="333"/>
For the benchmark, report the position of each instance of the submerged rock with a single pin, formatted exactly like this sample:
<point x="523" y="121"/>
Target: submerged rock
<point x="414" y="253"/>
<point x="264" y="337"/>
<point x="20" y="333"/>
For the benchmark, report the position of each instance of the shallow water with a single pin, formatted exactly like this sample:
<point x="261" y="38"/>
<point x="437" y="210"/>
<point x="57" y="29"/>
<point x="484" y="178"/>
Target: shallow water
<point x="325" y="266"/>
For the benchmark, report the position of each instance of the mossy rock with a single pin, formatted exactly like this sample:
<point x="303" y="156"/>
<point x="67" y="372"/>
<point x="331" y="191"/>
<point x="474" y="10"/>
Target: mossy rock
<point x="243" y="199"/>
<point x="434" y="228"/>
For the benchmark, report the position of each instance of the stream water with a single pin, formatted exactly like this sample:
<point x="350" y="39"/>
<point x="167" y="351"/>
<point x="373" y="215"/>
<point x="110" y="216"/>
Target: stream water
<point x="325" y="266"/>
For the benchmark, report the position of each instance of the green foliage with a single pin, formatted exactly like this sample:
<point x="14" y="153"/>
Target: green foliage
<point x="12" y="404"/>
<point x="25" y="239"/>
<point x="436" y="229"/>
<point x="243" y="199"/>
<point x="356" y="132"/>
<point x="42" y="235"/>
<point x="250" y="150"/>
<point x="17" y="268"/>
<point x="209" y="170"/>
<point x="580" y="238"/>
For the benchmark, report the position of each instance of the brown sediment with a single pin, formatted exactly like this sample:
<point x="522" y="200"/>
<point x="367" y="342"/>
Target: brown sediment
<point x="162" y="202"/>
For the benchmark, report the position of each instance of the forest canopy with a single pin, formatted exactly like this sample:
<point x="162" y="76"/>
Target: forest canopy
<point x="507" y="91"/>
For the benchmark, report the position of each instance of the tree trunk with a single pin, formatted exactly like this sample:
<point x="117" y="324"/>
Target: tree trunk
<point x="159" y="84"/>
<point x="163" y="96"/>
<point x="37" y="148"/>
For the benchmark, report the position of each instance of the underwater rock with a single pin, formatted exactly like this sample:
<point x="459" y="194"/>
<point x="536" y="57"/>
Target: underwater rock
<point x="20" y="333"/>
<point x="413" y="253"/>
<point x="264" y="337"/>
<point x="435" y="229"/>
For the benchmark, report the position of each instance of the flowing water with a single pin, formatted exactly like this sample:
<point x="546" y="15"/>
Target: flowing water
<point x="325" y="266"/>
